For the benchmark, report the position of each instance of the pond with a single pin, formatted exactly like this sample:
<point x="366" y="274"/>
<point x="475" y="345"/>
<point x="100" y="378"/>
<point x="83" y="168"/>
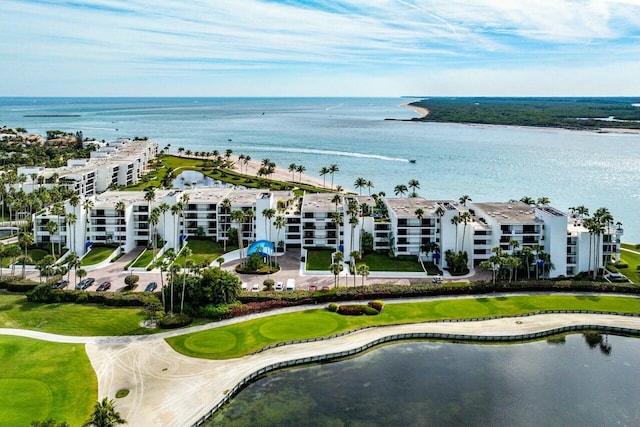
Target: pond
<point x="194" y="179"/>
<point x="576" y="380"/>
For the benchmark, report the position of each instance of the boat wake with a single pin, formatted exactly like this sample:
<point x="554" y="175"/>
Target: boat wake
<point x="326" y="152"/>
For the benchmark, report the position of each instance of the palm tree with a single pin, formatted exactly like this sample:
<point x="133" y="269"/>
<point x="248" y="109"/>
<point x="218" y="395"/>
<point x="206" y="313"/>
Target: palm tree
<point x="238" y="217"/>
<point x="335" y="269"/>
<point x="332" y="170"/>
<point x="105" y="415"/>
<point x="440" y="211"/>
<point x="185" y="253"/>
<point x="176" y="209"/>
<point x="464" y="199"/>
<point x="354" y="255"/>
<point x="300" y="169"/>
<point x="149" y="197"/>
<point x="369" y="186"/>
<point x="52" y="228"/>
<point x="225" y="208"/>
<point x="120" y="208"/>
<point x="414" y="184"/>
<point x="336" y="219"/>
<point x="2" y="252"/>
<point x="71" y="219"/>
<point x="456" y="220"/>
<point x="26" y="239"/>
<point x="268" y="215"/>
<point x="323" y="172"/>
<point x="514" y="244"/>
<point x="359" y="184"/>
<point x="400" y="189"/>
<point x="465" y="218"/>
<point x="13" y="252"/>
<point x="154" y="219"/>
<point x="279" y="224"/>
<point x="292" y="168"/>
<point x="337" y="199"/>
<point x="528" y="200"/>
<point x="543" y="201"/>
<point x="87" y="205"/>
<point x="363" y="270"/>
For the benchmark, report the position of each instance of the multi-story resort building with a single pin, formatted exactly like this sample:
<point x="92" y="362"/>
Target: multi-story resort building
<point x="409" y="226"/>
<point x="403" y="226"/>
<point x="113" y="164"/>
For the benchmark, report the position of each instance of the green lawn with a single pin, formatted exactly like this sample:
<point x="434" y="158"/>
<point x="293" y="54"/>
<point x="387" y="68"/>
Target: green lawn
<point x="97" y="254"/>
<point x="246" y="337"/>
<point x="36" y="254"/>
<point x="319" y="259"/>
<point x="144" y="260"/>
<point x="41" y="380"/>
<point x="70" y="319"/>
<point x="633" y="260"/>
<point x="382" y="262"/>
<point x="204" y="252"/>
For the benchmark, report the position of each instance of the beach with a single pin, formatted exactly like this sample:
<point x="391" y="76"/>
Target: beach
<point x="423" y="112"/>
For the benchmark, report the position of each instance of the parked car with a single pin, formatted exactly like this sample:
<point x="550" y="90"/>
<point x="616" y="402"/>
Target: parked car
<point x="152" y="286"/>
<point x="85" y="283"/>
<point x="291" y="285"/>
<point x="279" y="286"/>
<point x="244" y="286"/>
<point x="325" y="288"/>
<point x="313" y="288"/>
<point x="437" y="279"/>
<point x="60" y="284"/>
<point x="104" y="286"/>
<point x="255" y="288"/>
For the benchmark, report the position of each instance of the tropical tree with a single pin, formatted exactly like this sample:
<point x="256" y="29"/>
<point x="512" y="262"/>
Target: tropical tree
<point x="464" y="199"/>
<point x="336" y="199"/>
<point x="105" y="415"/>
<point x="279" y="224"/>
<point x="71" y="219"/>
<point x="58" y="210"/>
<point x="543" y="201"/>
<point x="440" y="211"/>
<point x="188" y="263"/>
<point x="359" y="184"/>
<point x="354" y="255"/>
<point x="528" y="200"/>
<point x="323" y="172"/>
<point x="336" y="219"/>
<point x="149" y="197"/>
<point x="300" y="169"/>
<point x="363" y="271"/>
<point x="176" y="209"/>
<point x="335" y="268"/>
<point x="52" y="228"/>
<point x="238" y="216"/>
<point x="154" y="219"/>
<point x="414" y="184"/>
<point x="13" y="252"/>
<point x="293" y="168"/>
<point x="400" y="190"/>
<point x="225" y="207"/>
<point x="456" y="220"/>
<point x="465" y="218"/>
<point x="332" y="170"/>
<point x="369" y="186"/>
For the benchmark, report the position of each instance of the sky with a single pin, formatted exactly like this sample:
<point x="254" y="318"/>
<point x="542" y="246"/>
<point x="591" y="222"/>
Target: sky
<point x="320" y="48"/>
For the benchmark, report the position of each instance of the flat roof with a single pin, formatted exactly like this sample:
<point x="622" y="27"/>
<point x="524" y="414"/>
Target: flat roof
<point x="319" y="202"/>
<point x="406" y="206"/>
<point x="506" y="212"/>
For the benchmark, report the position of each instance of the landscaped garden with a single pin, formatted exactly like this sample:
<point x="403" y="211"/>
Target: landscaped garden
<point x="319" y="259"/>
<point x="632" y="260"/>
<point x="41" y="380"/>
<point x="144" y="259"/>
<point x="97" y="254"/>
<point x="244" y="338"/>
<point x="203" y="252"/>
<point x="382" y="262"/>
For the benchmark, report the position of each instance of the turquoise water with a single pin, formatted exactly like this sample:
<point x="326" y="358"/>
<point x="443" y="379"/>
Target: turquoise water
<point x="490" y="163"/>
<point x="571" y="382"/>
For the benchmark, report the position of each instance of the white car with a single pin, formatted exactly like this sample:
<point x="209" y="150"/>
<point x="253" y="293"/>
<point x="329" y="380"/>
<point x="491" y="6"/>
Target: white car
<point x="244" y="286"/>
<point x="255" y="288"/>
<point x="291" y="285"/>
<point x="279" y="286"/>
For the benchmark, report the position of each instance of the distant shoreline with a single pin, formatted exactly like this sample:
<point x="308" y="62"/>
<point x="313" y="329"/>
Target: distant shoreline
<point x="51" y="115"/>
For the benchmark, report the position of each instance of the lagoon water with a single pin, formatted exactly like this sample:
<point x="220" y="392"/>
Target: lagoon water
<point x="490" y="163"/>
<point x="569" y="382"/>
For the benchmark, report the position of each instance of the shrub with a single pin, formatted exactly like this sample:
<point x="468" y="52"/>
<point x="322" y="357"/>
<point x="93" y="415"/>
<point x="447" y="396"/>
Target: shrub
<point x="175" y="321"/>
<point x="333" y="307"/>
<point x="357" y="310"/>
<point x="41" y="293"/>
<point x="131" y="280"/>
<point x="377" y="304"/>
<point x="268" y="284"/>
<point x="621" y="264"/>
<point x="215" y="311"/>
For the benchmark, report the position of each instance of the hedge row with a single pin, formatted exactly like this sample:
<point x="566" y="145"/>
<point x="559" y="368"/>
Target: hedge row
<point x="44" y="294"/>
<point x="18" y="284"/>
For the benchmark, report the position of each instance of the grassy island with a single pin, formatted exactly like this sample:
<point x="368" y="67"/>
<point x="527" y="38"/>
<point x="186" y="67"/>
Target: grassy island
<point x="568" y="113"/>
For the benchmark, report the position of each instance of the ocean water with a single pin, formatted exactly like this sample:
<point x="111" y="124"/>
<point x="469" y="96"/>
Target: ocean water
<point x="568" y="382"/>
<point x="489" y="163"/>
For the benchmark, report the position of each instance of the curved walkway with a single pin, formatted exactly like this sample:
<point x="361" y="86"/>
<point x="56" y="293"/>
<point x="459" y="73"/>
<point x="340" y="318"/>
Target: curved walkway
<point x="168" y="388"/>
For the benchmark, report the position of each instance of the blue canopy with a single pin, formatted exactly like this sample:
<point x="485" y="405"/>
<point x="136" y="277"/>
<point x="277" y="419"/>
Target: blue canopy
<point x="261" y="247"/>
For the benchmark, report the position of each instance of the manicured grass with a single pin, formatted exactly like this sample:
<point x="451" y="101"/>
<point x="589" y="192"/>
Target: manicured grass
<point x="204" y="252"/>
<point x="36" y="254"/>
<point x="144" y="260"/>
<point x="633" y="260"/>
<point x="319" y="259"/>
<point x="41" y="380"/>
<point x="382" y="262"/>
<point x="246" y="337"/>
<point x="70" y="319"/>
<point x="97" y="254"/>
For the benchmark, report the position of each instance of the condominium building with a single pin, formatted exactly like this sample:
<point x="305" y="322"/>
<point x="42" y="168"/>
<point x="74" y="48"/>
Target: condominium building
<point x="403" y="226"/>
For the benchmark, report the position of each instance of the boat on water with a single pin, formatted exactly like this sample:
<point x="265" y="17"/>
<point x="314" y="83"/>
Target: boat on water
<point x="412" y="160"/>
